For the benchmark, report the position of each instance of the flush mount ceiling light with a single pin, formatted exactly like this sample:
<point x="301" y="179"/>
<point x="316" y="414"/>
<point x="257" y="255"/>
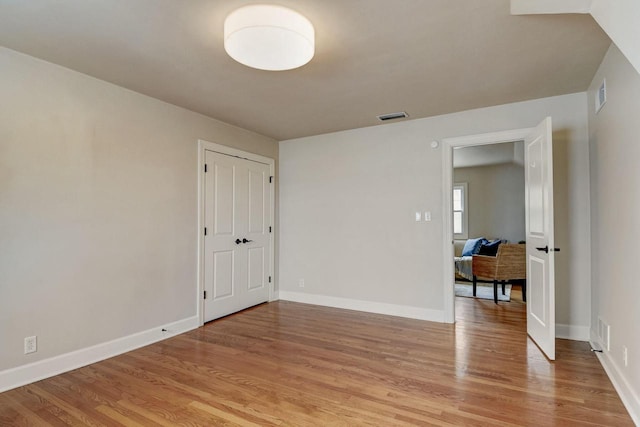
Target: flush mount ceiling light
<point x="270" y="38"/>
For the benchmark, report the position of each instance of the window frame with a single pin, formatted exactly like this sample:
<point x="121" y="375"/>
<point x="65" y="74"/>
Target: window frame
<point x="465" y="211"/>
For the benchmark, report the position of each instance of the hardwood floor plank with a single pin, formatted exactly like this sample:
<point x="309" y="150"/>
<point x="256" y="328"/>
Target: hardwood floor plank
<point x="221" y="414"/>
<point x="159" y="417"/>
<point x="289" y="364"/>
<point x="25" y="416"/>
<point x="121" y="417"/>
<point x="64" y="402"/>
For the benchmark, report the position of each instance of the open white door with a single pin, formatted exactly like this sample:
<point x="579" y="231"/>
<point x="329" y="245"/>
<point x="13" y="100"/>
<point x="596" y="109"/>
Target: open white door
<point x="541" y="316"/>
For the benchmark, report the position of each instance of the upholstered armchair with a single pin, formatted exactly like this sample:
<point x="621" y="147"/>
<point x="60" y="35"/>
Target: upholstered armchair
<point x="508" y="264"/>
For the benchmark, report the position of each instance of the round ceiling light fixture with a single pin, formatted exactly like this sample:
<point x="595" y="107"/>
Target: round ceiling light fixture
<point x="268" y="37"/>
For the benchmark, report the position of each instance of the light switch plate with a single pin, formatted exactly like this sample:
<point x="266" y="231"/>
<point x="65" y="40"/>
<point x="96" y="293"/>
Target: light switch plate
<point x="418" y="216"/>
<point x="427" y="216"/>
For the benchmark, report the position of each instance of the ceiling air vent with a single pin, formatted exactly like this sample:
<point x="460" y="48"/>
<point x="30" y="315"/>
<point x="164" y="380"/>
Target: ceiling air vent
<point x="392" y="116"/>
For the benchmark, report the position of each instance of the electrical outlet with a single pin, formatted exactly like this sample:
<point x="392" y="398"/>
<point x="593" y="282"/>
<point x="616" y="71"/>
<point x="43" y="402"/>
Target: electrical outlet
<point x="625" y="356"/>
<point x="301" y="283"/>
<point x="30" y="344"/>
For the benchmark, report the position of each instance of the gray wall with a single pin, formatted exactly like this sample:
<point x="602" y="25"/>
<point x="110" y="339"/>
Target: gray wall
<point x="348" y="203"/>
<point x="496" y="200"/>
<point x="98" y="208"/>
<point x="615" y="208"/>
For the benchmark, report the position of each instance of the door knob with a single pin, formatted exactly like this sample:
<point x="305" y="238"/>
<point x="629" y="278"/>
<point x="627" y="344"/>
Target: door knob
<point x="238" y="241"/>
<point x="246" y="241"/>
<point x="546" y="249"/>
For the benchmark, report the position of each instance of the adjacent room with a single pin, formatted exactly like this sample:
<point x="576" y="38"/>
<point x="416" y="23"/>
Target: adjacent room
<point x="238" y="213"/>
<point x="489" y="211"/>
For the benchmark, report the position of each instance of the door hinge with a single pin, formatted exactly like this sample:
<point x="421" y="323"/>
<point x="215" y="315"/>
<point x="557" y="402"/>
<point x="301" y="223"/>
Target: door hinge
<point x="269" y="279"/>
<point x="205" y="294"/>
<point x="270" y="179"/>
<point x="269" y="229"/>
<point x="205" y="231"/>
<point x="205" y="168"/>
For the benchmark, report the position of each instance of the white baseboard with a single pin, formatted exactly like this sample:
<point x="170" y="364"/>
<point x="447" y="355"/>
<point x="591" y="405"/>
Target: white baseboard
<point x="36" y="371"/>
<point x="572" y="332"/>
<point x="367" y="306"/>
<point x="628" y="395"/>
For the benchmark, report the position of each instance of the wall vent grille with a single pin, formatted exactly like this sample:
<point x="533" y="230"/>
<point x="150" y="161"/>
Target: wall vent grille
<point x="601" y="96"/>
<point x="604" y="332"/>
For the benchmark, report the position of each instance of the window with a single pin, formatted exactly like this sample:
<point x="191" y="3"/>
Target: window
<point x="460" y="215"/>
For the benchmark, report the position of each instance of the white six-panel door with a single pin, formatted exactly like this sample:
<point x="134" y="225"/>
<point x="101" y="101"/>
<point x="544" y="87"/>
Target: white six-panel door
<point x="541" y="320"/>
<point x="237" y="242"/>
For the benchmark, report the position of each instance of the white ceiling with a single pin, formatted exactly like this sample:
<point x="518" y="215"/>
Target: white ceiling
<point x="425" y="57"/>
<point x="489" y="155"/>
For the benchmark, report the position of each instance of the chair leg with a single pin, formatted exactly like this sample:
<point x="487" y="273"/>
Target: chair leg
<point x="495" y="291"/>
<point x="524" y="290"/>
<point x="475" y="285"/>
<point x="503" y="283"/>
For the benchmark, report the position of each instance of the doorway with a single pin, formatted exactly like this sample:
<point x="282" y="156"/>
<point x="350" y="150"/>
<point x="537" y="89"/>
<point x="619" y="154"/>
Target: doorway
<point x="489" y="210"/>
<point x="539" y="219"/>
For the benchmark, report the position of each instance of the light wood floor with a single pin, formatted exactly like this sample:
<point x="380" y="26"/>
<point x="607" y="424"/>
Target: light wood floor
<point x="292" y="364"/>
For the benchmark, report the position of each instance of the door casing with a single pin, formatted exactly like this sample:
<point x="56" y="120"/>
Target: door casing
<point x="223" y="149"/>
<point x="448" y="144"/>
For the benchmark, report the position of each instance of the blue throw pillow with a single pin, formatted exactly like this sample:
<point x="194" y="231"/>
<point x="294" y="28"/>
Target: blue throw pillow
<point x="490" y="248"/>
<point x="472" y="246"/>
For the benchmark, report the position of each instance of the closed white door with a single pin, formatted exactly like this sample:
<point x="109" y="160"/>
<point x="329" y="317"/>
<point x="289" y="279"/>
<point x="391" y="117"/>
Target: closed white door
<point x="541" y="319"/>
<point x="238" y="239"/>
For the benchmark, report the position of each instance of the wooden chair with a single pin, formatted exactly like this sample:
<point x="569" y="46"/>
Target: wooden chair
<point x="510" y="263"/>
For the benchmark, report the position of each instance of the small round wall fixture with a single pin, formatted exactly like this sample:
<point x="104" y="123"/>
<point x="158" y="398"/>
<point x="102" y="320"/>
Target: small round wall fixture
<point x="268" y="37"/>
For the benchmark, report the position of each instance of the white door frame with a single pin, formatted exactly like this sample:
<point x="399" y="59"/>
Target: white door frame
<point x="223" y="149"/>
<point x="448" y="144"/>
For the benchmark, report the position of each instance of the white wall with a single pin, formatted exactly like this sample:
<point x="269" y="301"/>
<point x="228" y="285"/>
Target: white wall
<point x="615" y="181"/>
<point x="619" y="19"/>
<point x="98" y="208"/>
<point x="348" y="203"/>
<point x="496" y="200"/>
